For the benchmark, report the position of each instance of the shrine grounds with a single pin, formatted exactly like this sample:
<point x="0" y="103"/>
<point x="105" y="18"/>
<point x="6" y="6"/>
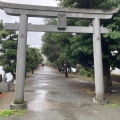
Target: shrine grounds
<point x="51" y="96"/>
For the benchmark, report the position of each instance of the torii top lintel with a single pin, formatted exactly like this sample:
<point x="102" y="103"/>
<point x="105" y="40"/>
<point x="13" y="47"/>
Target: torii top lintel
<point x="45" y="11"/>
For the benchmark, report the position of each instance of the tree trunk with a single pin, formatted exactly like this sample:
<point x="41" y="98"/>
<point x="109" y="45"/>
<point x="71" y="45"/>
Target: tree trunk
<point x="106" y="74"/>
<point x="25" y="74"/>
<point x="32" y="71"/>
<point x="14" y="75"/>
<point x="65" y="70"/>
<point x="0" y="78"/>
<point x="66" y="73"/>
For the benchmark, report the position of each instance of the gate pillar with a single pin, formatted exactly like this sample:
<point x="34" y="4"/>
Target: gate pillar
<point x="21" y="64"/>
<point x="98" y="64"/>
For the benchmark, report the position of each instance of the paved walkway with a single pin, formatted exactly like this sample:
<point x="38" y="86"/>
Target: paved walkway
<point x="51" y="96"/>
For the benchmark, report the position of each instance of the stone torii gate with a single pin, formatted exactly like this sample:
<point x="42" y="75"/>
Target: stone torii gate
<point x="25" y="11"/>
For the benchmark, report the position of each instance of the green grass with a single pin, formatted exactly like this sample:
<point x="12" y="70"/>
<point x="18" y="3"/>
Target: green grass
<point x="112" y="105"/>
<point x="8" y="112"/>
<point x="20" y="112"/>
<point x="5" y="112"/>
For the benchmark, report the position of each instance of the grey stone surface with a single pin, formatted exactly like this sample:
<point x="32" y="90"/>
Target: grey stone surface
<point x="62" y="21"/>
<point x="21" y="60"/>
<point x="53" y="28"/>
<point x="44" y="11"/>
<point x="98" y="64"/>
<point x="33" y="13"/>
<point x="18" y="106"/>
<point x="4" y="87"/>
<point x="58" y="9"/>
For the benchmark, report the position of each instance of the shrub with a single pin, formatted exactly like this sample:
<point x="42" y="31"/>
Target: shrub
<point x="89" y="73"/>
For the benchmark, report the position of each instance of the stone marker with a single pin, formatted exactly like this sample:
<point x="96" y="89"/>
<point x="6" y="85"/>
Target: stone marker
<point x="4" y="87"/>
<point x="62" y="21"/>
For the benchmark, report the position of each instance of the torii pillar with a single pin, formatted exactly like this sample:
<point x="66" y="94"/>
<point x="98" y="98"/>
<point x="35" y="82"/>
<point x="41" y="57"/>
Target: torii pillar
<point x="98" y="64"/>
<point x="19" y="102"/>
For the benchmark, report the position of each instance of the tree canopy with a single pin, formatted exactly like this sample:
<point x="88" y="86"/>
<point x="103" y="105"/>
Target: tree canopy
<point x="78" y="48"/>
<point x="9" y="40"/>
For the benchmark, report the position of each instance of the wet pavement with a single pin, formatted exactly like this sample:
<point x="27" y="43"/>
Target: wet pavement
<point x="51" y="96"/>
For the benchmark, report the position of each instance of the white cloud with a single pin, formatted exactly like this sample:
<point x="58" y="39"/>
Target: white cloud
<point x="34" y="38"/>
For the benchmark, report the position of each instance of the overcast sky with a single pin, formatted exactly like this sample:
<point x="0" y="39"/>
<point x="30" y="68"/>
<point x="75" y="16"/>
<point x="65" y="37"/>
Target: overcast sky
<point x="34" y="38"/>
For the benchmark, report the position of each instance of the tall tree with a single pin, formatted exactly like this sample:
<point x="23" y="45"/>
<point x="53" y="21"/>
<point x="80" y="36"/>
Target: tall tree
<point x="9" y="51"/>
<point x="8" y="58"/>
<point x="80" y="45"/>
<point x="33" y="59"/>
<point x="56" y="46"/>
<point x="109" y="44"/>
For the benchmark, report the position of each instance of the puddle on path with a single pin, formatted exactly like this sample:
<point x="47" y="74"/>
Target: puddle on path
<point x="41" y="105"/>
<point x="40" y="84"/>
<point x="43" y="84"/>
<point x="41" y="102"/>
<point x="42" y="94"/>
